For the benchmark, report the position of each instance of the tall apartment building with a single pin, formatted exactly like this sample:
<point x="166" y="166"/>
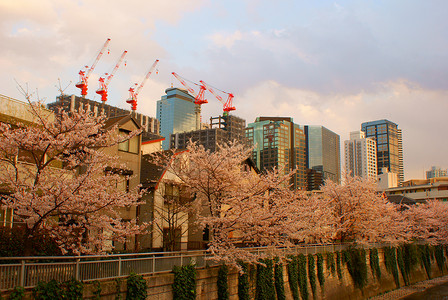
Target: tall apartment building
<point x="176" y="113"/>
<point x="222" y="129"/>
<point x="74" y="103"/>
<point x="323" y="151"/>
<point x="278" y="141"/>
<point x="389" y="146"/>
<point x="436" y="172"/>
<point x="360" y="156"/>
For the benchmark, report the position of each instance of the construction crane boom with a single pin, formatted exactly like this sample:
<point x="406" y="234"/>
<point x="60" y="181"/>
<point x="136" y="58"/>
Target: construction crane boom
<point x="133" y="93"/>
<point x="84" y="76"/>
<point x="227" y="105"/>
<point x="104" y="81"/>
<point x="199" y="97"/>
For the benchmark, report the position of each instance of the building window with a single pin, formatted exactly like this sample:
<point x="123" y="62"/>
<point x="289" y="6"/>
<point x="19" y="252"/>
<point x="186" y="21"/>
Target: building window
<point x="131" y="145"/>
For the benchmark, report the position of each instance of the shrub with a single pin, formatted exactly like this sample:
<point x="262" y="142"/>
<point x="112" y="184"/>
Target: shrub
<point x="48" y="290"/>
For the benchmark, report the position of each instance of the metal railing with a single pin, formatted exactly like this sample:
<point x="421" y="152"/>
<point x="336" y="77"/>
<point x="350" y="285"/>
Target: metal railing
<point x="28" y="271"/>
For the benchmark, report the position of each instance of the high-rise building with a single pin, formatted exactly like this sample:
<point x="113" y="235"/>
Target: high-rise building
<point x="176" y="112"/>
<point x="74" y="103"/>
<point x="279" y="142"/>
<point x="389" y="146"/>
<point x="360" y="155"/>
<point x="436" y="172"/>
<point x="323" y="151"/>
<point x="221" y="130"/>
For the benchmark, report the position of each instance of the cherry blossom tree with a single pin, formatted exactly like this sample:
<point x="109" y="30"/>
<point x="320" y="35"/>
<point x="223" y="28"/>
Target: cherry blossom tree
<point x="238" y="206"/>
<point x="360" y="214"/>
<point x="59" y="177"/>
<point x="428" y="221"/>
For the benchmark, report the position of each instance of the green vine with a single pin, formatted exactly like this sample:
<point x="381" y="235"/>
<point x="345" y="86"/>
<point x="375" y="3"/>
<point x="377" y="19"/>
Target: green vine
<point x="400" y="261"/>
<point x="312" y="273"/>
<point x="278" y="280"/>
<point x="410" y="256"/>
<point x="320" y="269"/>
<point x="17" y="293"/>
<point x="136" y="287"/>
<point x="375" y="263"/>
<point x="184" y="286"/>
<point x="243" y="282"/>
<point x="390" y="260"/>
<point x="425" y="258"/>
<point x="118" y="288"/>
<point x="223" y="287"/>
<point x="356" y="265"/>
<point x="96" y="290"/>
<point x="73" y="289"/>
<point x="48" y="290"/>
<point x="293" y="276"/>
<point x="303" y="283"/>
<point x="339" y="265"/>
<point x="440" y="258"/>
<point x="331" y="265"/>
<point x="265" y="281"/>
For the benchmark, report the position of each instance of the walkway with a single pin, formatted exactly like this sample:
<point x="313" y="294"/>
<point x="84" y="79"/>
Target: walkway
<point x="417" y="288"/>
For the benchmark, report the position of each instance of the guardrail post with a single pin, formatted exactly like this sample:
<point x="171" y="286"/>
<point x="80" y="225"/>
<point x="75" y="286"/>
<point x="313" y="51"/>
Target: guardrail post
<point x="153" y="264"/>
<point x="119" y="266"/>
<point x="181" y="260"/>
<point x="77" y="269"/>
<point x="22" y="273"/>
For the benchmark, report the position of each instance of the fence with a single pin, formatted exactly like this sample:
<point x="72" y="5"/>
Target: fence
<point x="28" y="271"/>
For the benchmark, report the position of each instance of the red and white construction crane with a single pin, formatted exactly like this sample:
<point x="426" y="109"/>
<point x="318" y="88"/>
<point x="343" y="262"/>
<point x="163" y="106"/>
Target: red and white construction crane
<point x="133" y="92"/>
<point x="198" y="98"/>
<point x="227" y="105"/>
<point x="84" y="75"/>
<point x="104" y="81"/>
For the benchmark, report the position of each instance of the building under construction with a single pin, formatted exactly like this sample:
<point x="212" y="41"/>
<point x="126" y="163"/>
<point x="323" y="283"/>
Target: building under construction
<point x="223" y="129"/>
<point x="74" y="103"/>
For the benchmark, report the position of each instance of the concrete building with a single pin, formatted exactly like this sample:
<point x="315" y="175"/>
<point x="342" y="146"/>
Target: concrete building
<point x="278" y="142"/>
<point x="389" y="146"/>
<point x="436" y="172"/>
<point x="421" y="190"/>
<point x="176" y="113"/>
<point x="386" y="180"/>
<point x="222" y="129"/>
<point x="323" y="151"/>
<point x="360" y="156"/>
<point x="74" y="103"/>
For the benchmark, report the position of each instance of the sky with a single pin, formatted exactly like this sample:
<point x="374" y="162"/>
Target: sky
<point x="330" y="63"/>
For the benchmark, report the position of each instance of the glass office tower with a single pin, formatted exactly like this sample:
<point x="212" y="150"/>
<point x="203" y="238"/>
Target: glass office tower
<point x="176" y="113"/>
<point x="388" y="144"/>
<point x="278" y="142"/>
<point x="323" y="151"/>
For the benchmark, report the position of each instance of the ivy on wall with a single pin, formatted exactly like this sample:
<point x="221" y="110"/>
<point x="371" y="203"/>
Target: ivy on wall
<point x="374" y="260"/>
<point x="136" y="287"/>
<point x="71" y="289"/>
<point x="265" y="289"/>
<point x="320" y="269"/>
<point x="411" y="257"/>
<point x="440" y="258"/>
<point x="425" y="258"/>
<point x="303" y="283"/>
<point x="312" y="273"/>
<point x="400" y="261"/>
<point x="278" y="280"/>
<point x="331" y="265"/>
<point x="243" y="282"/>
<point x="184" y="286"/>
<point x="339" y="265"/>
<point x="293" y="276"/>
<point x="356" y="265"/>
<point x="390" y="261"/>
<point x="223" y="287"/>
